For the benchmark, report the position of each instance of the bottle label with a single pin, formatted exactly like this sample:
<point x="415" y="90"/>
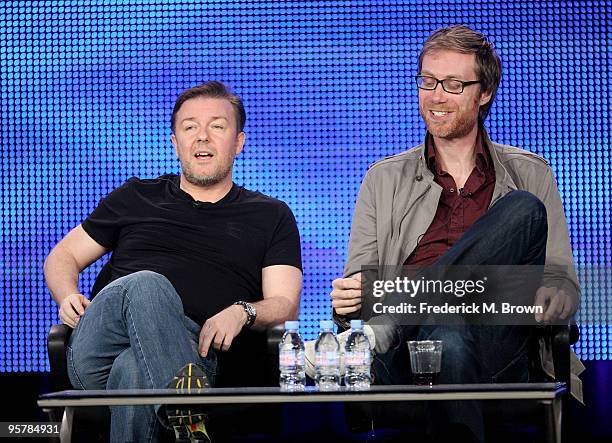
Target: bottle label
<point x="358" y="358"/>
<point x="291" y="358"/>
<point x="328" y="358"/>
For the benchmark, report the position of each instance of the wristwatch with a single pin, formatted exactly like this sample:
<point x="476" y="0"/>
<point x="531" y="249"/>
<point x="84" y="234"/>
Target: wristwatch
<point x="250" y="310"/>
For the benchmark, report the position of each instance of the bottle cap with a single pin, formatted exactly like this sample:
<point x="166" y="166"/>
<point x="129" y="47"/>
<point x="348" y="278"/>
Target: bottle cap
<point x="357" y="325"/>
<point x="293" y="325"/>
<point x="326" y="324"/>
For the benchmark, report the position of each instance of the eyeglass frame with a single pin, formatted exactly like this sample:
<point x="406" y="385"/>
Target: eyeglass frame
<point x="441" y="82"/>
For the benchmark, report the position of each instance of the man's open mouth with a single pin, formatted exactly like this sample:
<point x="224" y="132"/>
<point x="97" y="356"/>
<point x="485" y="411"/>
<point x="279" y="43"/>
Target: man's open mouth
<point x="440" y="113"/>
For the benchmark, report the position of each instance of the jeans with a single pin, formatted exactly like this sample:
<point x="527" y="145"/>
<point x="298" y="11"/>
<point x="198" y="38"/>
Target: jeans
<point x="512" y="232"/>
<point x="134" y="335"/>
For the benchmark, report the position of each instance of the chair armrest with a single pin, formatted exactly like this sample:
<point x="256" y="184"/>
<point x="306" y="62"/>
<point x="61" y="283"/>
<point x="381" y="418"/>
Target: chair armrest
<point x="561" y="338"/>
<point x="574" y="333"/>
<point x="273" y="338"/>
<point x="57" y="342"/>
<point x="560" y="347"/>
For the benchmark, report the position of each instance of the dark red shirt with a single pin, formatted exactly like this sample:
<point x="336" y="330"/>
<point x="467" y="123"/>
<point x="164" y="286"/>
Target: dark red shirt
<point x="457" y="209"/>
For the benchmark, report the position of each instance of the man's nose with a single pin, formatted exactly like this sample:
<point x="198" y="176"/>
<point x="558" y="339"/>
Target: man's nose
<point x="439" y="94"/>
<point x="203" y="135"/>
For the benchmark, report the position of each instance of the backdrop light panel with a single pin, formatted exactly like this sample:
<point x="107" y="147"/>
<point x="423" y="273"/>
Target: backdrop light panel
<point x="88" y="88"/>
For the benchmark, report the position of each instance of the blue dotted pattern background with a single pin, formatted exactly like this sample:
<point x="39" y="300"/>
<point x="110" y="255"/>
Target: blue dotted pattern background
<point x="88" y="88"/>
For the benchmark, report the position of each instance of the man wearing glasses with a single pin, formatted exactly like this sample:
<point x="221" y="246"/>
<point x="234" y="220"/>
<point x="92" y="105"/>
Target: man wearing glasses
<point x="458" y="199"/>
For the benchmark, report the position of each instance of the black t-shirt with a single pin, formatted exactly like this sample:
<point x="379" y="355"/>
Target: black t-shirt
<point x="212" y="253"/>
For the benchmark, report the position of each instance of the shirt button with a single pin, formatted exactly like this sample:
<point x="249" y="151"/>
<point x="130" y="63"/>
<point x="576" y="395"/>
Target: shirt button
<point x="451" y="190"/>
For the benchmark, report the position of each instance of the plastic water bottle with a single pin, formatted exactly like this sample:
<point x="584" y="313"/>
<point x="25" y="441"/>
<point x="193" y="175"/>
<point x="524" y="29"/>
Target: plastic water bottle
<point x="357" y="358"/>
<point x="291" y="358"/>
<point x="327" y="358"/>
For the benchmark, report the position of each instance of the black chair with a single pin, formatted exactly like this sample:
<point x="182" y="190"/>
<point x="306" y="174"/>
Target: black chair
<point x="259" y="348"/>
<point x="408" y="417"/>
<point x="93" y="423"/>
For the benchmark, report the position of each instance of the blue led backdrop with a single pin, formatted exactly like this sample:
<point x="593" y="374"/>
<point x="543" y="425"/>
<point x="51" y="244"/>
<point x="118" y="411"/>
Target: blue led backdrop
<point x="88" y="88"/>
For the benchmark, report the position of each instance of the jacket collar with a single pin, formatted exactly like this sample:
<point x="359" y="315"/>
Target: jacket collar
<point x="503" y="181"/>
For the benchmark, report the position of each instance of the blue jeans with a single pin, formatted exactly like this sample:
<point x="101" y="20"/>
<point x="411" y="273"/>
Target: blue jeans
<point x="134" y="335"/>
<point x="512" y="232"/>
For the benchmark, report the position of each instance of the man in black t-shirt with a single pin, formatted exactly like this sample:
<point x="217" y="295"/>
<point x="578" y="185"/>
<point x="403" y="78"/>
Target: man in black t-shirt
<point x="196" y="260"/>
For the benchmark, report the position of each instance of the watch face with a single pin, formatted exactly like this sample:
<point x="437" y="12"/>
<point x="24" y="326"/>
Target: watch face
<point x="251" y="309"/>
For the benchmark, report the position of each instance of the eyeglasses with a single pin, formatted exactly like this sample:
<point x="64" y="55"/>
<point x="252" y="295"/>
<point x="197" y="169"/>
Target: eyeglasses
<point x="450" y="85"/>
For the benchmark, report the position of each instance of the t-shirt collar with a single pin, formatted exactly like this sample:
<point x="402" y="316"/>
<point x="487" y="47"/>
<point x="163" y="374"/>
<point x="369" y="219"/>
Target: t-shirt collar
<point x="227" y="198"/>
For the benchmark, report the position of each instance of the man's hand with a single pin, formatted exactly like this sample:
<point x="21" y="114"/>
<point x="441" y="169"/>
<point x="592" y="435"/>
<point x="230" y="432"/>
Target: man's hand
<point x="71" y="309"/>
<point x="346" y="294"/>
<point x="556" y="303"/>
<point x="221" y="329"/>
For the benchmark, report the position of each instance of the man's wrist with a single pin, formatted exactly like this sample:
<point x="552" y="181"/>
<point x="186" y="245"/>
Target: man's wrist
<point x="243" y="316"/>
<point x="249" y="312"/>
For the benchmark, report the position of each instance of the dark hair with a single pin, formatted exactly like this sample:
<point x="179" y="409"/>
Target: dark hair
<point x="463" y="39"/>
<point x="212" y="89"/>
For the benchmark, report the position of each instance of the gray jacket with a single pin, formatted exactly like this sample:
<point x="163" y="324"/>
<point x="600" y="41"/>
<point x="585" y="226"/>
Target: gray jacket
<point x="398" y="200"/>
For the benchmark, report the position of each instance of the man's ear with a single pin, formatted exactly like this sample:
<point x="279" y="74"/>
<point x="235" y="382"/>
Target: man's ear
<point x="485" y="97"/>
<point x="240" y="142"/>
<point x="173" y="140"/>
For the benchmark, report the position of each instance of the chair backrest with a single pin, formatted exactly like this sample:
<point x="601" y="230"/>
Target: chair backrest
<point x="104" y="277"/>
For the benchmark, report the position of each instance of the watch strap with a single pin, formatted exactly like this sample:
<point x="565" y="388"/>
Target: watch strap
<point x="250" y="311"/>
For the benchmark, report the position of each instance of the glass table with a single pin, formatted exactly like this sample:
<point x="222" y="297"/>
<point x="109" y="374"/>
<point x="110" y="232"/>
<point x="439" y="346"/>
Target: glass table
<point x="547" y="394"/>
